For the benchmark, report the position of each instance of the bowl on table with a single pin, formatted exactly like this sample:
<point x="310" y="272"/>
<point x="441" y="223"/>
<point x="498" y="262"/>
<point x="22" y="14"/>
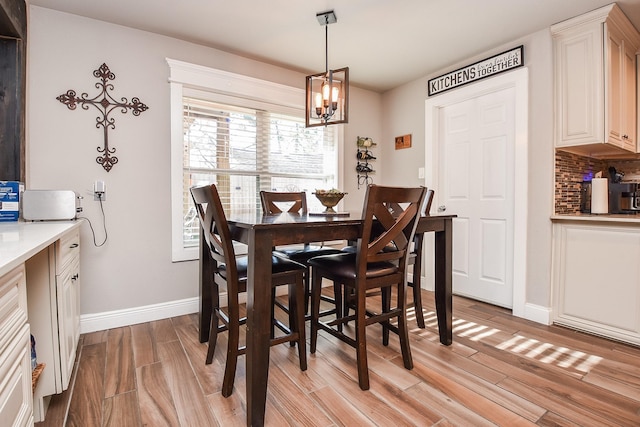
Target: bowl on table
<point x="329" y="199"/>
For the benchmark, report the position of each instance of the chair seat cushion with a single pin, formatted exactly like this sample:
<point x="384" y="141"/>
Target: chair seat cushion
<point x="278" y="265"/>
<point x="353" y="249"/>
<point x="344" y="265"/>
<point x="303" y="254"/>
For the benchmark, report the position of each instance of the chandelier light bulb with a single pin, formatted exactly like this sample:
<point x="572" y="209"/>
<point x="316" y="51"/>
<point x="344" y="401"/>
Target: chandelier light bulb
<point x="326" y="89"/>
<point x="335" y="92"/>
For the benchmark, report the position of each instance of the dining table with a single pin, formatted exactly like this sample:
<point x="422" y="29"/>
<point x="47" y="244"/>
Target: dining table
<point x="261" y="233"/>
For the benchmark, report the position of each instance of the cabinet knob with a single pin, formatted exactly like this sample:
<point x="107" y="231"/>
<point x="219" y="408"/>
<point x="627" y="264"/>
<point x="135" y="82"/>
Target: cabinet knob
<point x="74" y="277"/>
<point x="442" y="208"/>
<point x="625" y="136"/>
<point x="73" y="245"/>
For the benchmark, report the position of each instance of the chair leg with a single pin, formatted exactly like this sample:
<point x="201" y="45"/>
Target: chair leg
<point x="213" y="330"/>
<point x="361" y="341"/>
<point x="316" y="288"/>
<point x="340" y="302"/>
<point x="386" y="307"/>
<point x="273" y="312"/>
<point x="232" y="354"/>
<point x="307" y="289"/>
<point x="293" y="310"/>
<point x="403" y="331"/>
<point x="417" y="292"/>
<point x="297" y="306"/>
<point x="213" y="337"/>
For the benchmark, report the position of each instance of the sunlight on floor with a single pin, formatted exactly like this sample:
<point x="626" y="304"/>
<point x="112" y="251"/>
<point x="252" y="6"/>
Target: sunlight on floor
<point x="530" y="348"/>
<point x="561" y="356"/>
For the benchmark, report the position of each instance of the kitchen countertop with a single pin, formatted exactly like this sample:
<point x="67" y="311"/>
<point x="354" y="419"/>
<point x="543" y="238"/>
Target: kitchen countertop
<point x="611" y="218"/>
<point x="21" y="240"/>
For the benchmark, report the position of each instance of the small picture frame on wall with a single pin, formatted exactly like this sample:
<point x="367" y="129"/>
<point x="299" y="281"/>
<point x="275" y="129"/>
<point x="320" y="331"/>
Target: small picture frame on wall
<point x="403" y="141"/>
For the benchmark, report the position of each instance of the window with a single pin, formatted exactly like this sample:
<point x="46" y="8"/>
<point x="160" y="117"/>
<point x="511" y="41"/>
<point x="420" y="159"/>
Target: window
<point x="244" y="145"/>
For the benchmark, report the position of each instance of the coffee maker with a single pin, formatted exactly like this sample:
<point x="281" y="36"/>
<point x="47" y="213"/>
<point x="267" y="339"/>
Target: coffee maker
<point x="624" y="197"/>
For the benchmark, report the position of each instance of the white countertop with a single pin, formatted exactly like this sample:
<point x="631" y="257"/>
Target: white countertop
<point x="21" y="240"/>
<point x="615" y="218"/>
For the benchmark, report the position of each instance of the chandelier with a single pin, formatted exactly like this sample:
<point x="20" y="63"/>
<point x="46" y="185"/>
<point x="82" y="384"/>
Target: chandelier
<point x="327" y="93"/>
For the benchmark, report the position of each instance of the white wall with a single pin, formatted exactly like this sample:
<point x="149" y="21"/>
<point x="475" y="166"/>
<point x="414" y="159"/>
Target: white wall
<point x="403" y="113"/>
<point x="134" y="268"/>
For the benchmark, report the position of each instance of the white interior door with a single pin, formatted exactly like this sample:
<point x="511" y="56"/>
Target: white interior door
<point x="476" y="182"/>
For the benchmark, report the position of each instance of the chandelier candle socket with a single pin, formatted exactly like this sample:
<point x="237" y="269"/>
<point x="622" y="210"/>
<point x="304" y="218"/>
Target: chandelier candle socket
<point x="327" y="93"/>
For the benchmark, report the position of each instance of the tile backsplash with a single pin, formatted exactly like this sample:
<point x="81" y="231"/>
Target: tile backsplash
<point x="571" y="170"/>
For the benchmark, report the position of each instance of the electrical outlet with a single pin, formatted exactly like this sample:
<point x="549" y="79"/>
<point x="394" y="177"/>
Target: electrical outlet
<point x="99" y="191"/>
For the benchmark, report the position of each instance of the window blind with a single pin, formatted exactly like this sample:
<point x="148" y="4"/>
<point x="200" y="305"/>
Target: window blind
<point x="245" y="150"/>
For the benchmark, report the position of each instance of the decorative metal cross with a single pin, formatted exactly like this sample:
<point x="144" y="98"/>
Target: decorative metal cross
<point x="106" y="104"/>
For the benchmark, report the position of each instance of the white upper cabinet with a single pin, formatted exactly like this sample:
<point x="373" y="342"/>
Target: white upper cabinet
<point x="595" y="83"/>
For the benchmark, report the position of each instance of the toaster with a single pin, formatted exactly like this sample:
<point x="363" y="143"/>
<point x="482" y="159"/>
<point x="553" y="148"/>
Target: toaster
<point x="47" y="205"/>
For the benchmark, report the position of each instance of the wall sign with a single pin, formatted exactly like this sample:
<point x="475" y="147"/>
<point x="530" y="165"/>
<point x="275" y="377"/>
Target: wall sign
<point x="403" y="141"/>
<point x="496" y="64"/>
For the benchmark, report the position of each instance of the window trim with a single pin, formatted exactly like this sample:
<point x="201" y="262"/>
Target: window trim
<point x="183" y="75"/>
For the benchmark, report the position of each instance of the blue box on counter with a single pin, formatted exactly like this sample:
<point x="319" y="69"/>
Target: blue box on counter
<point x="10" y="192"/>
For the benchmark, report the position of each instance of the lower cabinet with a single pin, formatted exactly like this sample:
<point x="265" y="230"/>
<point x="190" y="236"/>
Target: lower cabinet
<point x="68" y="296"/>
<point x="53" y="294"/>
<point x="596" y="275"/>
<point x="15" y="355"/>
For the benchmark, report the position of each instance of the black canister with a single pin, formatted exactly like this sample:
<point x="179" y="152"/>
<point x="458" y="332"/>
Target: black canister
<point x="585" y="197"/>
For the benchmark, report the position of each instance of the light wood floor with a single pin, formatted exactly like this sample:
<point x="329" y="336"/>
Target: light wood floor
<point x="500" y="370"/>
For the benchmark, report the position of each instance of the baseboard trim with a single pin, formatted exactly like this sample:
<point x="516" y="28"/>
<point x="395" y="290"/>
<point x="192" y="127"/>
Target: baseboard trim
<point x="148" y="313"/>
<point x="131" y="316"/>
<point x="537" y="313"/>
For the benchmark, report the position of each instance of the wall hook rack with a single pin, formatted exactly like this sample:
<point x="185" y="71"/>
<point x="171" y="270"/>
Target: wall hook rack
<point x="105" y="103"/>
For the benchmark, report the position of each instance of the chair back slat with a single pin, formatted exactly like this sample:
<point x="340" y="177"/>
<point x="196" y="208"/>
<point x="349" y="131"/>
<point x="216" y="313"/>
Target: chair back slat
<point x="273" y="200"/>
<point x="428" y="202"/>
<point x="215" y="228"/>
<point x="390" y="217"/>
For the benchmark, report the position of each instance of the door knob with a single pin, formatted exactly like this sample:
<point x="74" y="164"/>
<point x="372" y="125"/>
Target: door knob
<point x="442" y="208"/>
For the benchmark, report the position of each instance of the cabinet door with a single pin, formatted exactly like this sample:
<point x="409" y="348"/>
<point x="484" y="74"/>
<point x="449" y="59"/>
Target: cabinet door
<point x="629" y="108"/>
<point x="621" y="86"/>
<point x="597" y="279"/>
<point x="615" y="86"/>
<point x="13" y="304"/>
<point x="16" y="400"/>
<point x="579" y="88"/>
<point x="68" y="285"/>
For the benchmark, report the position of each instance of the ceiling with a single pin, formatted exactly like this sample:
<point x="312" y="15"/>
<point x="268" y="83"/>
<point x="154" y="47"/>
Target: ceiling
<point x="385" y="43"/>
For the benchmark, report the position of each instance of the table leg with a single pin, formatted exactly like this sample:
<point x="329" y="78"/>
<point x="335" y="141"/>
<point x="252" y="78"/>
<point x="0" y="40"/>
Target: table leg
<point x="258" y="324"/>
<point x="443" y="284"/>
<point x="205" y="267"/>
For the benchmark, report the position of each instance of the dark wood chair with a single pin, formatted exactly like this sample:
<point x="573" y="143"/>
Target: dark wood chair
<point x="372" y="267"/>
<point x="273" y="203"/>
<point x="231" y="275"/>
<point x="414" y="259"/>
